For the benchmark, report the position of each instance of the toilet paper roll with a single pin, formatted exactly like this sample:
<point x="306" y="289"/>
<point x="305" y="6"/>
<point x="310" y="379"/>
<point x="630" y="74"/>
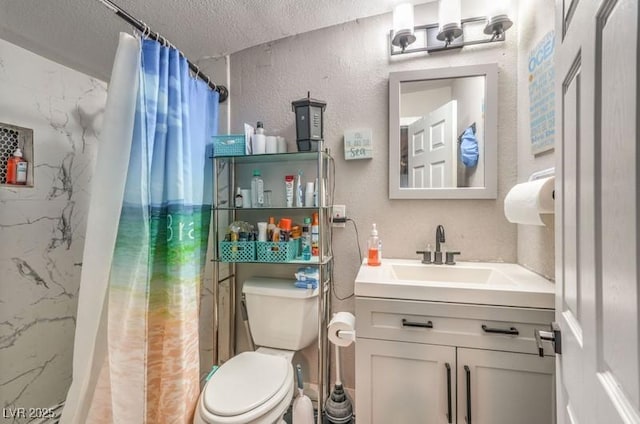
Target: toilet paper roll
<point x="342" y="321"/>
<point x="272" y="144"/>
<point x="525" y="202"/>
<point x="282" y="145"/>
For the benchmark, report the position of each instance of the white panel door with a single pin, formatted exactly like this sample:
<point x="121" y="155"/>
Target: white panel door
<point x="433" y="149"/>
<point x="417" y="155"/>
<point x="505" y="388"/>
<point x="405" y="383"/>
<point x="597" y="211"/>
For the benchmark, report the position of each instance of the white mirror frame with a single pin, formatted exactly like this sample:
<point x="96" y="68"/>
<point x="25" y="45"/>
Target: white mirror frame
<point x="489" y="191"/>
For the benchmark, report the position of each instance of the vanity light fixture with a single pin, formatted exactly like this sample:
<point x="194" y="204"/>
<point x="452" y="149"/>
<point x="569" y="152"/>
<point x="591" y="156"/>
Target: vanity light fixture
<point x="449" y="32"/>
<point x="498" y="20"/>
<point x="449" y="27"/>
<point x="402" y="32"/>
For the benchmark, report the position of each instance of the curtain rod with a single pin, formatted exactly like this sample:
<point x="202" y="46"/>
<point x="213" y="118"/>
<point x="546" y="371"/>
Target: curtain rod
<point x="144" y="28"/>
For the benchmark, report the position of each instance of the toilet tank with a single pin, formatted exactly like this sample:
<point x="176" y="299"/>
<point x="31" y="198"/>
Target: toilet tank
<point x="281" y="315"/>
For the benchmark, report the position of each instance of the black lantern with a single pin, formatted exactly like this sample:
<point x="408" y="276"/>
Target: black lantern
<point x="309" y="122"/>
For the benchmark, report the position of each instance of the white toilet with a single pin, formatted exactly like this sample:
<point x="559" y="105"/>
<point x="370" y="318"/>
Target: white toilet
<point x="257" y="387"/>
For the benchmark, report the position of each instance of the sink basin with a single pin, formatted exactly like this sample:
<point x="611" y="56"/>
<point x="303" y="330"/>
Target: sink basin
<point x="449" y="274"/>
<point x="487" y="283"/>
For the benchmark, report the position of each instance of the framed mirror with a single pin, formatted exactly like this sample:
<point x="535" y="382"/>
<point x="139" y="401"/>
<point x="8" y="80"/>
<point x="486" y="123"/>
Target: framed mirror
<point x="443" y="128"/>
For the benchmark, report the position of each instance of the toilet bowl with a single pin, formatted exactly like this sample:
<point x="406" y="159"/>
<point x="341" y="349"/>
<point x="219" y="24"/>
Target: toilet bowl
<point x="250" y="388"/>
<point x="257" y="387"/>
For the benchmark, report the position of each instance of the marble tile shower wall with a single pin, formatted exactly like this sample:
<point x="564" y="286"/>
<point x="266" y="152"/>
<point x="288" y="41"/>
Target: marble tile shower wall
<point x="42" y="228"/>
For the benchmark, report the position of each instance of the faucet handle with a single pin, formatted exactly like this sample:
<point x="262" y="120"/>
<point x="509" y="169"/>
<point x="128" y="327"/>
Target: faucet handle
<point x="450" y="258"/>
<point x="426" y="256"/>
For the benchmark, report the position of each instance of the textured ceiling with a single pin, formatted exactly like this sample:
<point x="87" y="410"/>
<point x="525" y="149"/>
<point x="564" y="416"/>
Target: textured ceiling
<point x="83" y="34"/>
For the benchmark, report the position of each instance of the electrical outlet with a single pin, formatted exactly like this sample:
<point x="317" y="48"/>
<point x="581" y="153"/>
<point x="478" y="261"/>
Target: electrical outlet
<point x="338" y="212"/>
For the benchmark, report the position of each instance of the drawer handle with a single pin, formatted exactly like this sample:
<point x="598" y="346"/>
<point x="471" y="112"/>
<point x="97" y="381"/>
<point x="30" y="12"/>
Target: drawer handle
<point x="468" y="375"/>
<point x="427" y="324"/>
<point x="513" y="331"/>
<point x="449" y="415"/>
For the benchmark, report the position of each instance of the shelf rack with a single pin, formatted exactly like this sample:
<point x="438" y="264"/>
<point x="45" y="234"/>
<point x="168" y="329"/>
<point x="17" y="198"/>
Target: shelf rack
<point x="225" y="180"/>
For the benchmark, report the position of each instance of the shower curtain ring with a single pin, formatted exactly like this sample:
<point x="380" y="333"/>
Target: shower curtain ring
<point x="145" y="31"/>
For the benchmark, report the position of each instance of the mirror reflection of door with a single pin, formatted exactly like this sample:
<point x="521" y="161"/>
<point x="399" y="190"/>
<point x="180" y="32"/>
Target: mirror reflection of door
<point x="433" y="149"/>
<point x="433" y="113"/>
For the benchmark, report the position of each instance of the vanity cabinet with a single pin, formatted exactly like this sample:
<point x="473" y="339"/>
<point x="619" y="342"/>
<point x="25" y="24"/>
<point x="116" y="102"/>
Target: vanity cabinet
<point x="444" y="363"/>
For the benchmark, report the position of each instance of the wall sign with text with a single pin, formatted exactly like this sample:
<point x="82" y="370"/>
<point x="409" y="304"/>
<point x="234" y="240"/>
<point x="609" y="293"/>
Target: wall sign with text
<point x="542" y="95"/>
<point x="358" y="144"/>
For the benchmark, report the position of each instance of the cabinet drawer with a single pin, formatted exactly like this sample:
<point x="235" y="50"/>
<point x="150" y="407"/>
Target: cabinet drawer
<point x="464" y="325"/>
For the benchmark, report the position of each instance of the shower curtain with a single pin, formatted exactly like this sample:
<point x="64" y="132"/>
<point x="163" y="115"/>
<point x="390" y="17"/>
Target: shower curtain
<point x="136" y="352"/>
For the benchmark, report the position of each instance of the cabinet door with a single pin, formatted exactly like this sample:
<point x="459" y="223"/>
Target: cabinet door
<point x="505" y="388"/>
<point x="404" y="383"/>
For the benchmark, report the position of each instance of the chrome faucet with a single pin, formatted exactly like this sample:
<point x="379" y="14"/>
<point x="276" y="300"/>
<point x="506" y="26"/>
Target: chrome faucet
<point x="437" y="259"/>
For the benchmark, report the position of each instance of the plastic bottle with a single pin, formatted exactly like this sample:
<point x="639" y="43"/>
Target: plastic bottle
<point x="306" y="239"/>
<point x="309" y="195"/>
<point x="238" y="199"/>
<point x="373" y="258"/>
<point x="259" y="142"/>
<point x="257" y="190"/>
<point x="17" y="169"/>
<point x="271" y="226"/>
<point x="315" y="235"/>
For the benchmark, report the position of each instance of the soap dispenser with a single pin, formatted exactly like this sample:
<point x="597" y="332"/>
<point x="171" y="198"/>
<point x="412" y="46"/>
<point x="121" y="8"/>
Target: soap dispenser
<point x="374" y="244"/>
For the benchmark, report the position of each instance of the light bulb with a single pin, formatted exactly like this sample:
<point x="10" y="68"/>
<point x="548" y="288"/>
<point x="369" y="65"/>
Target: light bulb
<point x="403" y="25"/>
<point x="449" y="27"/>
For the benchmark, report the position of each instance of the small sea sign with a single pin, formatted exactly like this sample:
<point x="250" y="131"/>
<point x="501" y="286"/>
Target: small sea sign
<point x="358" y="144"/>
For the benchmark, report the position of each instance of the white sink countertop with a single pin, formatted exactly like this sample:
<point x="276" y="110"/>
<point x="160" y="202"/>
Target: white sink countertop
<point x="484" y="283"/>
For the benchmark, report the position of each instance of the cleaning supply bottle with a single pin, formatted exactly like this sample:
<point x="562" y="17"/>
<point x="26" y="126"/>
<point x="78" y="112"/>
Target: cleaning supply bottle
<point x="271" y="226"/>
<point x="257" y="190"/>
<point x="259" y="141"/>
<point x="315" y="235"/>
<point x="306" y="239"/>
<point x="373" y="258"/>
<point x="17" y="169"/>
<point x="238" y="199"/>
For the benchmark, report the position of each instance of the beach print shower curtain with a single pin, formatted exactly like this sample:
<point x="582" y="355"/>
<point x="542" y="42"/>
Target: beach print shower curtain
<point x="143" y="364"/>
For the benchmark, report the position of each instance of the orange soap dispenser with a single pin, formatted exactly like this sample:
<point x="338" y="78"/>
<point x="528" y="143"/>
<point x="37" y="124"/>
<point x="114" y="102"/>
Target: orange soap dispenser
<point x="373" y="245"/>
<point x="17" y="169"/>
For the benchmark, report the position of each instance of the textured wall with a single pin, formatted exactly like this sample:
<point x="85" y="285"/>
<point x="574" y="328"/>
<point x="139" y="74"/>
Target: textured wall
<point x="348" y="66"/>
<point x="42" y="228"/>
<point x="535" y="244"/>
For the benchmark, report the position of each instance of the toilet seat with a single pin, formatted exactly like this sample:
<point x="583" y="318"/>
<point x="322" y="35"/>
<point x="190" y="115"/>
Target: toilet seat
<point x="247" y="387"/>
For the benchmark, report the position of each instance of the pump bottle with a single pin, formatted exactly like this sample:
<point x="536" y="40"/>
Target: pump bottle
<point x="17" y="169"/>
<point x="374" y="244"/>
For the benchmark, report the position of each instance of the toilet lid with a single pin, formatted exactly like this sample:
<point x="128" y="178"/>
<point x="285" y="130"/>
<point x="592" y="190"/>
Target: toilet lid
<point x="244" y="383"/>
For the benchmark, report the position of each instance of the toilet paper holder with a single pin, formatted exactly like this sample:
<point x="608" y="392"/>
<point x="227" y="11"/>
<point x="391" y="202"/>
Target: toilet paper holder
<point x="544" y="173"/>
<point x="549" y="172"/>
